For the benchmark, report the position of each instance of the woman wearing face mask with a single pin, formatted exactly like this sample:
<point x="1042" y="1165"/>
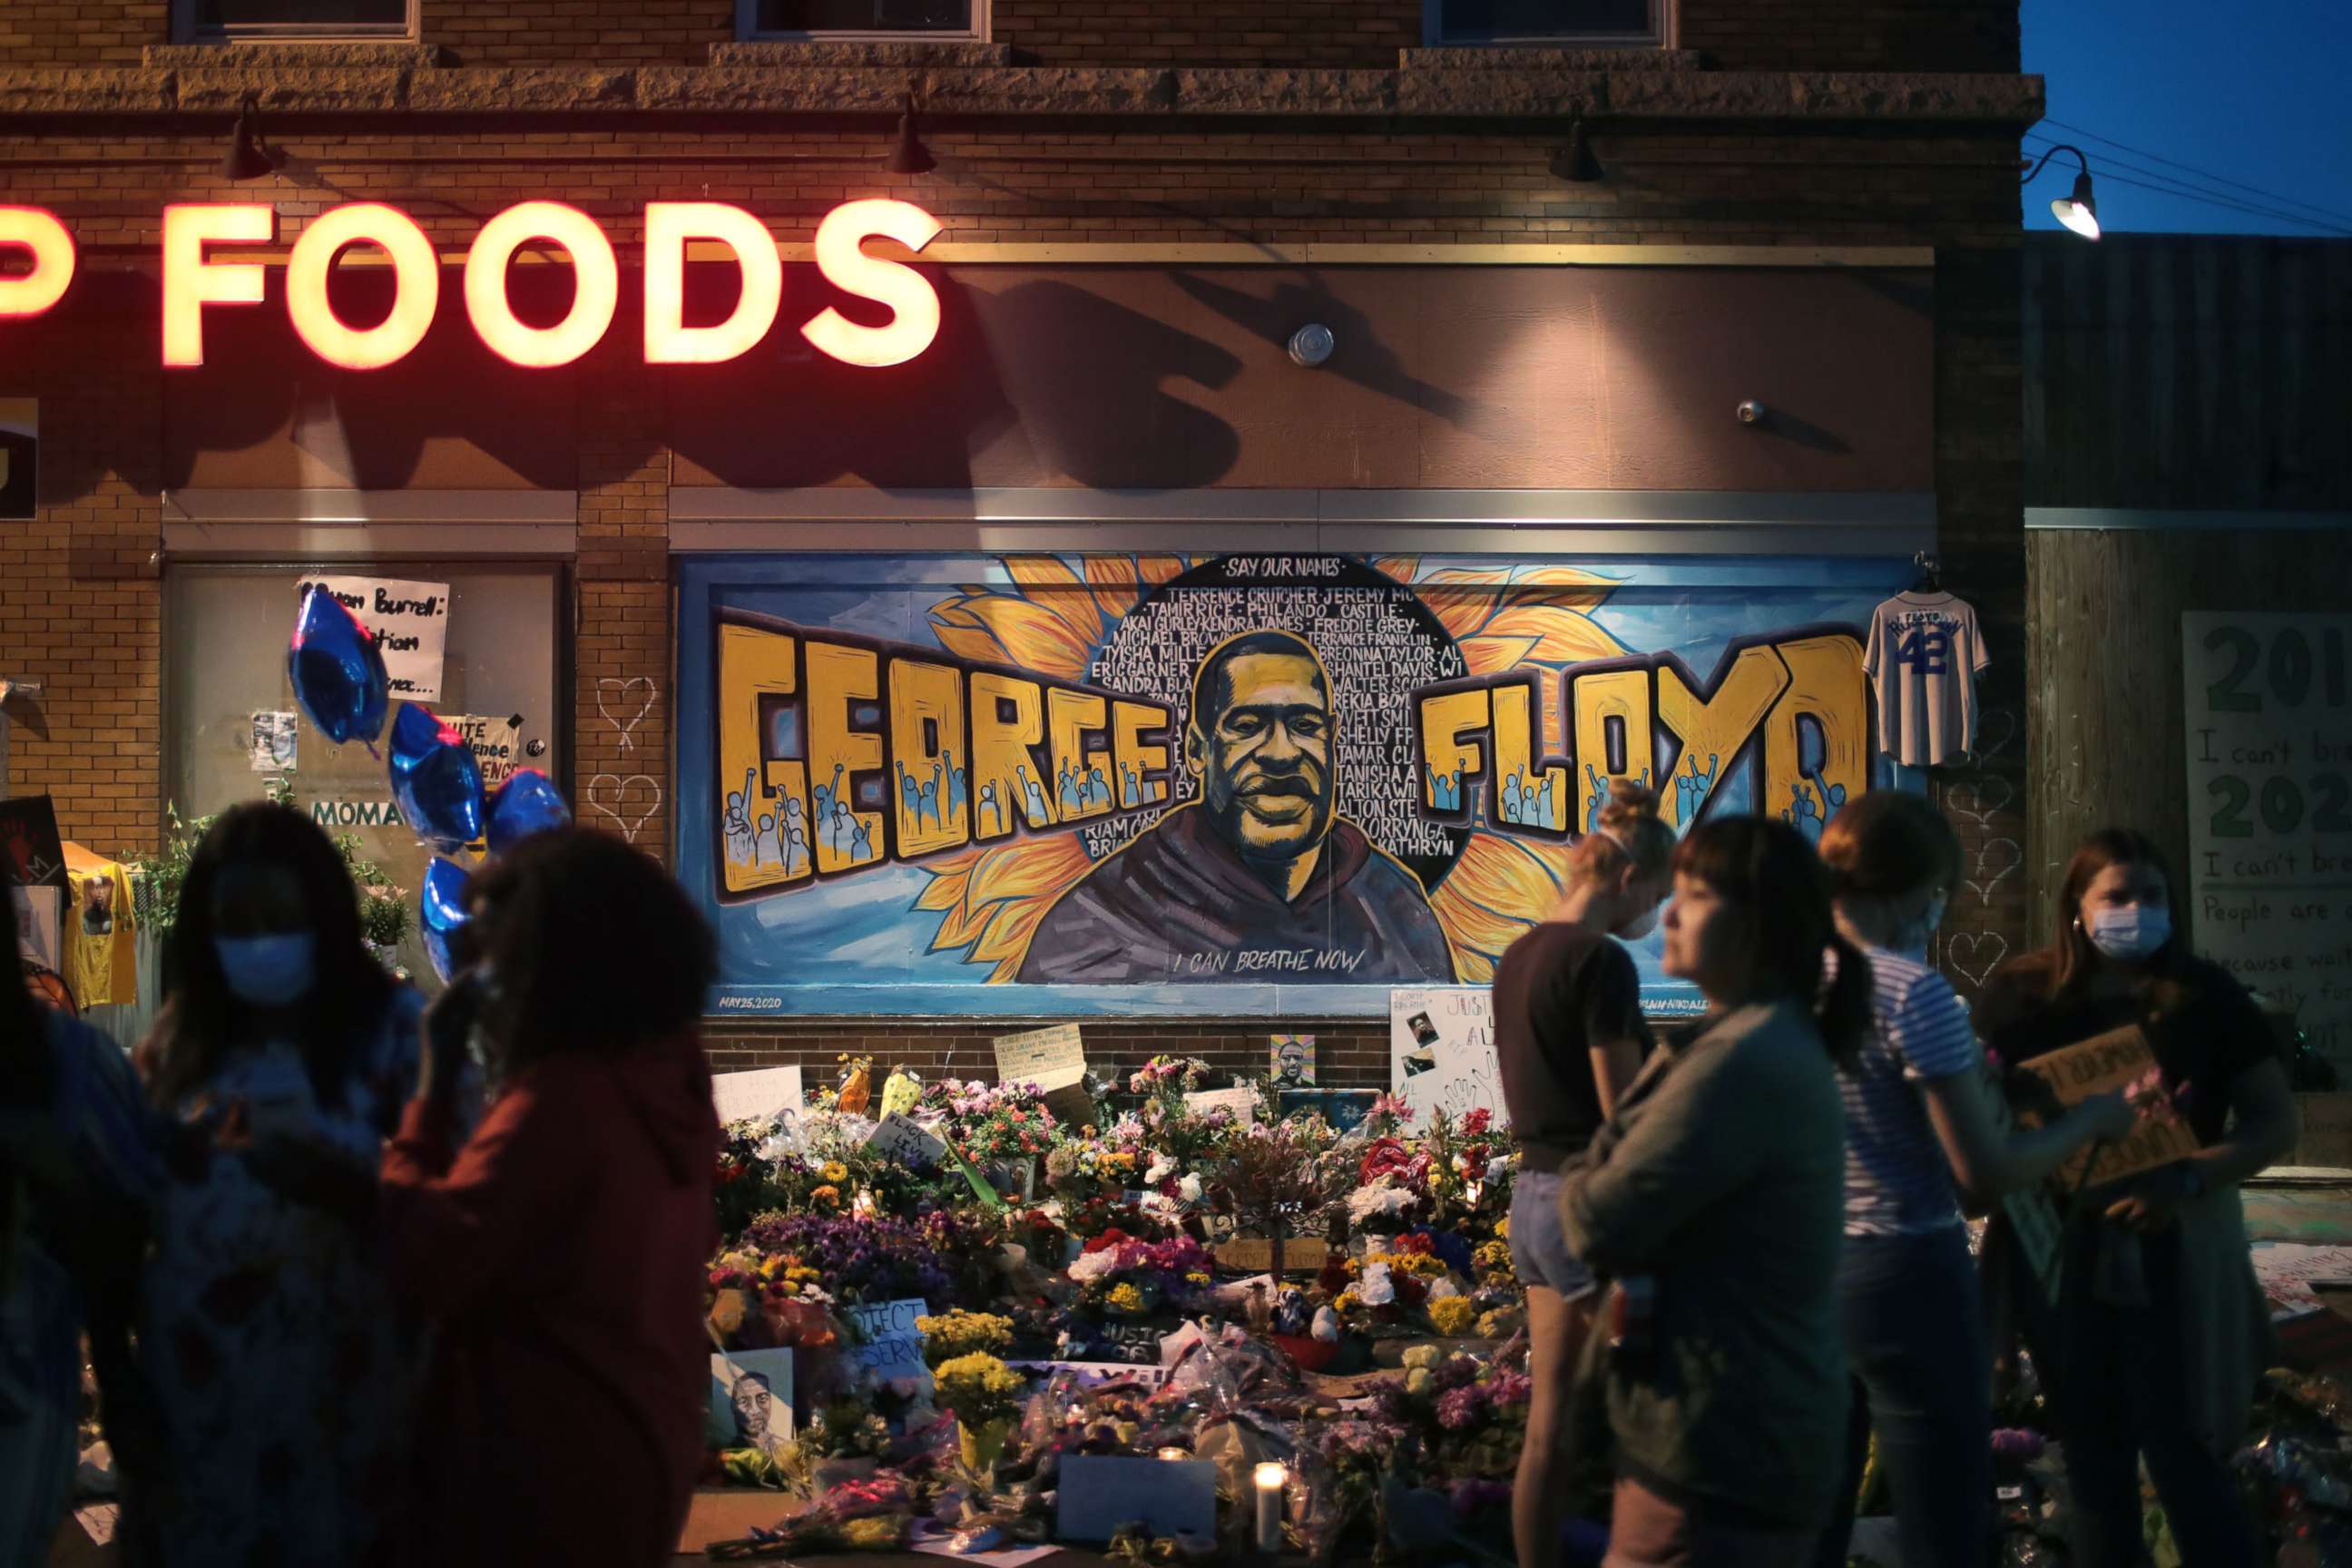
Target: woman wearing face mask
<point x="1568" y="1036"/>
<point x="281" y="1368"/>
<point x="2161" y="1329"/>
<point x="1713" y="1197"/>
<point x="561" y="1252"/>
<point x="1921" y="1121"/>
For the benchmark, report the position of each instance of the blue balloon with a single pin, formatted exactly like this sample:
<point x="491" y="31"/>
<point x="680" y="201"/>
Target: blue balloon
<point x="441" y="910"/>
<point x="526" y="804"/>
<point x="435" y="780"/>
<point x="337" y="669"/>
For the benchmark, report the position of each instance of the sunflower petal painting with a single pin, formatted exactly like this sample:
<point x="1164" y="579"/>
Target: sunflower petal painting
<point x="1123" y="783"/>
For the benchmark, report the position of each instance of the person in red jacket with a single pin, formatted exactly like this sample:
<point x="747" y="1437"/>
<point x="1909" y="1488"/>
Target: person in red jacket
<point x="561" y="1252"/>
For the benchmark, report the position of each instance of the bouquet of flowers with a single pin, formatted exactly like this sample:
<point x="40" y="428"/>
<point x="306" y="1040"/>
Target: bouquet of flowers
<point x="857" y="1259"/>
<point x="1121" y="1276"/>
<point x="1084" y="1166"/>
<point x="845" y="1429"/>
<point x="1472" y="1415"/>
<point x="958" y="1333"/>
<point x="1097" y="1215"/>
<point x="978" y="1387"/>
<point x="991" y="1121"/>
<point x="1168" y="1078"/>
<point x="1278" y="1180"/>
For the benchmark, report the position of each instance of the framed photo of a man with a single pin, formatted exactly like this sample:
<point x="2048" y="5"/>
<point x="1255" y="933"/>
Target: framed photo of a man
<point x="751" y="1399"/>
<point x="1290" y="1060"/>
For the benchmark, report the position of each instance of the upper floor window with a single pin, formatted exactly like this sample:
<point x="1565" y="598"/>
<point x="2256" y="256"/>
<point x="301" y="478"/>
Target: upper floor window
<point x="1545" y="21"/>
<point x="198" y="20"/>
<point x="860" y="18"/>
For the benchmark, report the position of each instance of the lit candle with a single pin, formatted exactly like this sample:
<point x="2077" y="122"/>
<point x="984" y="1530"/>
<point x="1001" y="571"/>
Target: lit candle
<point x="1172" y="1453"/>
<point x="1271" y="1478"/>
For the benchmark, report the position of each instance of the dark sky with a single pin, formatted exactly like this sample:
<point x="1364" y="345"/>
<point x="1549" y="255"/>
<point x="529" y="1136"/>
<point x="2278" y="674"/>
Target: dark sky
<point x="2256" y="91"/>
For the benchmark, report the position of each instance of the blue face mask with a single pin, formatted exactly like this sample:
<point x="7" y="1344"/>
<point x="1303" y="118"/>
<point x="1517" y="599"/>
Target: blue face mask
<point x="267" y="970"/>
<point x="2130" y="931"/>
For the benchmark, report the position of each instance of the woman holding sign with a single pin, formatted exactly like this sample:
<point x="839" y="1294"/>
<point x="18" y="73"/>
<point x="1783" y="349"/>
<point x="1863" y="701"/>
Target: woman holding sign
<point x="1568" y="1037"/>
<point x="1921" y="1119"/>
<point x="2159" y="1330"/>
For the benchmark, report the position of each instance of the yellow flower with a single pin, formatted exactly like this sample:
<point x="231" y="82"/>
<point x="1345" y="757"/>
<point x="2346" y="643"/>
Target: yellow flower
<point x="1126" y="1297"/>
<point x="834" y="1171"/>
<point x="1503" y="1229"/>
<point x="1453" y="1316"/>
<point x="828" y="1195"/>
<point x="1196" y="1278"/>
<point x="1348" y="1301"/>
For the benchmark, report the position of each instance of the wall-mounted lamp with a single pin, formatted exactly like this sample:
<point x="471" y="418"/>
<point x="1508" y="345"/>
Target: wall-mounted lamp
<point x="1575" y="163"/>
<point x="250" y="156"/>
<point x="910" y="156"/>
<point x="2078" y="211"/>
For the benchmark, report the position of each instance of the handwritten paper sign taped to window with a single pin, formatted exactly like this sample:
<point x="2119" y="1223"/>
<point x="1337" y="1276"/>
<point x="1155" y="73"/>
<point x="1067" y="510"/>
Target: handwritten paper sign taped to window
<point x="902" y="1139"/>
<point x="2116" y="1059"/>
<point x="1054" y="1059"/>
<point x="410" y="622"/>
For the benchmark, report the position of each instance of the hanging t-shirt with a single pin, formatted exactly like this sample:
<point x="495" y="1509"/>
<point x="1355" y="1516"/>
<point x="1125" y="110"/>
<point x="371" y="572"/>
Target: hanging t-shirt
<point x="102" y="956"/>
<point x="1925" y="654"/>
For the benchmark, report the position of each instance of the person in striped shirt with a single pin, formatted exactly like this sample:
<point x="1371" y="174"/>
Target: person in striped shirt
<point x="1924" y="1127"/>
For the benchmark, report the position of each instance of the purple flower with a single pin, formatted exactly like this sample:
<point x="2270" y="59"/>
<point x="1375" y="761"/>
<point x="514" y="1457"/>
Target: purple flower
<point x="1458" y="1409"/>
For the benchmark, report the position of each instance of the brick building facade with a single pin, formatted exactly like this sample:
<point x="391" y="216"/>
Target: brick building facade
<point x="1300" y="143"/>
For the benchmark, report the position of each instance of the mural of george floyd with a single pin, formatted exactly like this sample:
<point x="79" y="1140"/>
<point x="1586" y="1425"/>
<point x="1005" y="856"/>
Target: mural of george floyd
<point x="1162" y="784"/>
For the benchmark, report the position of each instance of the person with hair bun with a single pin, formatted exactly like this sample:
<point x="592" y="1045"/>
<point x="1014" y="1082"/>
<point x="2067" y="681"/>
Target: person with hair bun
<point x="1568" y="1037"/>
<point x="2160" y="1332"/>
<point x="1713" y="1197"/>
<point x="1921" y="1119"/>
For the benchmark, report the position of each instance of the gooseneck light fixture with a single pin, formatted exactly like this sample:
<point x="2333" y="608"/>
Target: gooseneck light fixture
<point x="249" y="156"/>
<point x="2077" y="212"/>
<point x="910" y="156"/>
<point x="1575" y="163"/>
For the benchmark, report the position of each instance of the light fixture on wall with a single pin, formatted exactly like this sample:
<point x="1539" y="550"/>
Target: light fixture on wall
<point x="910" y="156"/>
<point x="2077" y="211"/>
<point x="1575" y="163"/>
<point x="250" y="155"/>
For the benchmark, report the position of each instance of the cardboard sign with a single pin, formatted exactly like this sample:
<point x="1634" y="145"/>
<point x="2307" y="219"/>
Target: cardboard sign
<point x="751" y="1399"/>
<point x="891" y="1345"/>
<point x="1171" y="1497"/>
<point x="1441" y="1052"/>
<point x="410" y="622"/>
<point x="901" y="1138"/>
<point x="2100" y="1064"/>
<point x="1255" y="1254"/>
<point x="1049" y="1059"/>
<point x="1290" y="1060"/>
<point x="273" y="747"/>
<point x="497" y="744"/>
<point x="1242" y="1103"/>
<point x="764" y="1091"/>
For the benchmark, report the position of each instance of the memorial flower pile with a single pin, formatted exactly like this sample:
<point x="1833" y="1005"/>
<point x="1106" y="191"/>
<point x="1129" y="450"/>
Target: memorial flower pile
<point x="961" y="1334"/>
<point x="1124" y="1276"/>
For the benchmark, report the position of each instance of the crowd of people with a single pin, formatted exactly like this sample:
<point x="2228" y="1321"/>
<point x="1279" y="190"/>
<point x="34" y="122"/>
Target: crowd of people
<point x="364" y="1282"/>
<point x="1749" y="1255"/>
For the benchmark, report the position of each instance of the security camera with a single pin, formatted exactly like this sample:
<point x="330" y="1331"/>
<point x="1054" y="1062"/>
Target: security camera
<point x="1751" y="411"/>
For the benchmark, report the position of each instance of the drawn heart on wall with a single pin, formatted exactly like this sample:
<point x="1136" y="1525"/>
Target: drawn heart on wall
<point x="1997" y="860"/>
<point x="613" y="796"/>
<point x="1985" y="796"/>
<point x="620" y="690"/>
<point x="1962" y="949"/>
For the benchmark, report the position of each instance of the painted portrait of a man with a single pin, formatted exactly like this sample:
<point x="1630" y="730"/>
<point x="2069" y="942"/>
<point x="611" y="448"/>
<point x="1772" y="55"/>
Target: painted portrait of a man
<point x="1259" y="880"/>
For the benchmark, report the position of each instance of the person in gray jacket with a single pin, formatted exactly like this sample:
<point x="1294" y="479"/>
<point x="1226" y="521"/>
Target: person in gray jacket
<point x="1714" y="1200"/>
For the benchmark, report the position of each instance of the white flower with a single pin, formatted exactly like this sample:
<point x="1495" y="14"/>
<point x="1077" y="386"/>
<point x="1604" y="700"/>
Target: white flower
<point x="1500" y="1166"/>
<point x="778" y="1149"/>
<point x="1189" y="1189"/>
<point x="1094" y="1265"/>
<point x="1163" y="1167"/>
<point x="1376" y="1288"/>
<point x="1382" y="1200"/>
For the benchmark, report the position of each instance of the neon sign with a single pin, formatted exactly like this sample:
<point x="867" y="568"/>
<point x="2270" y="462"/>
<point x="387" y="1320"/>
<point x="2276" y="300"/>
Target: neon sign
<point x="202" y="269"/>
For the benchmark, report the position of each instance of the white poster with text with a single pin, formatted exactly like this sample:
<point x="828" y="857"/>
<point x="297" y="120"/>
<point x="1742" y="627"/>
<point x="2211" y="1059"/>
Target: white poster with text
<point x="2270" y="810"/>
<point x="1441" y="1051"/>
<point x="411" y="623"/>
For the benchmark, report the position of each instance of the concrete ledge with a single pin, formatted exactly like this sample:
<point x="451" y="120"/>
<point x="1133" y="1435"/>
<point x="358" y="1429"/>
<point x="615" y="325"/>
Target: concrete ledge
<point x="1523" y="57"/>
<point x="883" y="52"/>
<point x="1495" y="93"/>
<point x="345" y="55"/>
